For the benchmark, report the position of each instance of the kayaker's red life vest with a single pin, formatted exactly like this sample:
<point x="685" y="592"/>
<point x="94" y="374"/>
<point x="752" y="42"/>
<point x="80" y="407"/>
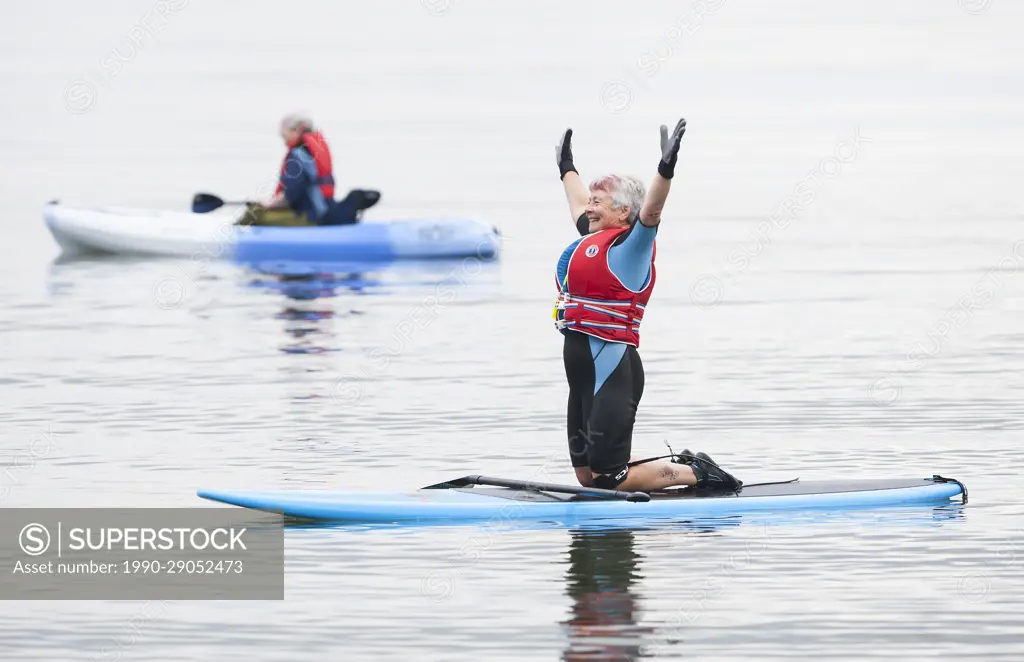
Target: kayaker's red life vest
<point x="593" y="300"/>
<point x="315" y="142"/>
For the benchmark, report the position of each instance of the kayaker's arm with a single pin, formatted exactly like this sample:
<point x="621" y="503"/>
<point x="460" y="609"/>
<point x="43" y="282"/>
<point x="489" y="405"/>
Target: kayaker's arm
<point x="295" y="181"/>
<point x="654" y="203"/>
<point x="575" y="192"/>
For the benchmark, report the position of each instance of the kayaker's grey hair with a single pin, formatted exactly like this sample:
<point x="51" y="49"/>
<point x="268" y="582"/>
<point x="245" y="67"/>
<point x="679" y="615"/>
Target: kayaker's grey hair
<point x="625" y="191"/>
<point x="295" y="120"/>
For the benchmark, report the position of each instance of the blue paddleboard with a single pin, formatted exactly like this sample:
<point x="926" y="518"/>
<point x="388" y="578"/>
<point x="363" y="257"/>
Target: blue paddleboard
<point x="475" y="504"/>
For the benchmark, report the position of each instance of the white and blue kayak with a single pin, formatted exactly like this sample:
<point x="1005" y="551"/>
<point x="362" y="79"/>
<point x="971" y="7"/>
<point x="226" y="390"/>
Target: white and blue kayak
<point x="145" y="232"/>
<point x="480" y="498"/>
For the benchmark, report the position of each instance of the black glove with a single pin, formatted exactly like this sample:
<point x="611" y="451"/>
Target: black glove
<point x="670" y="149"/>
<point x="563" y="155"/>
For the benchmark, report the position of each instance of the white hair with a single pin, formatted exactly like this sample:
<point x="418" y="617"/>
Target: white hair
<point x="625" y="191"/>
<point x="296" y="120"/>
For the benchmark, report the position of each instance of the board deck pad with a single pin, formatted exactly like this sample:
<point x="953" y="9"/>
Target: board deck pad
<point x="775" y="489"/>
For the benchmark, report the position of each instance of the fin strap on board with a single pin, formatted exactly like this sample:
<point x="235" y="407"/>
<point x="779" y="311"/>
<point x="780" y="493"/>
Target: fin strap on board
<point x="963" y="488"/>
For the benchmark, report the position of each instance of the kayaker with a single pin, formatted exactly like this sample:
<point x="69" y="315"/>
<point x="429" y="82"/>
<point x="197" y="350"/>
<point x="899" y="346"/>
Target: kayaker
<point x="604" y="280"/>
<point x="305" y="190"/>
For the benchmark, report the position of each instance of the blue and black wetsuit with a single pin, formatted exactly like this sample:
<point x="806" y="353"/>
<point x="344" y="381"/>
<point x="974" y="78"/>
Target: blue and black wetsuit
<point x="606" y="379"/>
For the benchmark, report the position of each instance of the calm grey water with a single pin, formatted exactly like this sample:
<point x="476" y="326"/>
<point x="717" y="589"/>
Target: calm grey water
<point x="839" y="295"/>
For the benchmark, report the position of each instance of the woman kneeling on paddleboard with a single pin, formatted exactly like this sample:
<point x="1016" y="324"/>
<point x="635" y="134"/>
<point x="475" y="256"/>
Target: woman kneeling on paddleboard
<point x="604" y="281"/>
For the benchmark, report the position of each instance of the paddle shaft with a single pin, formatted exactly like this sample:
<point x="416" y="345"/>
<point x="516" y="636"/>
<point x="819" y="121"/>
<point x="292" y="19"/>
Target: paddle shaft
<point x="563" y="489"/>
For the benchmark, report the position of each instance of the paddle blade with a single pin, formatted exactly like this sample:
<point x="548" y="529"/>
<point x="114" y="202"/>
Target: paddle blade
<point x="205" y="202"/>
<point x="465" y="481"/>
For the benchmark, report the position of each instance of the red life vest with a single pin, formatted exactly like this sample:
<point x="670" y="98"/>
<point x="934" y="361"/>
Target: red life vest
<point x="321" y="153"/>
<point x="592" y="300"/>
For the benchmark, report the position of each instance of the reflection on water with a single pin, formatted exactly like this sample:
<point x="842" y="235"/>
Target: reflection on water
<point x="321" y="308"/>
<point x="309" y="318"/>
<point x="605" y="574"/>
<point x="604" y="569"/>
<point x="306" y="335"/>
<point x="602" y="625"/>
<point x="308" y="315"/>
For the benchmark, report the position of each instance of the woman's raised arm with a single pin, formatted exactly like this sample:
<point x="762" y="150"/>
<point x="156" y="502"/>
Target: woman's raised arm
<point x="650" y="213"/>
<point x="575" y="192"/>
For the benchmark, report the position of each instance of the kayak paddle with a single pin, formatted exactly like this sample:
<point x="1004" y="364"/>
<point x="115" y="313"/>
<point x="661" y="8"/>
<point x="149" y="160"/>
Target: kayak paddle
<point x="206" y="202"/>
<point x="466" y="481"/>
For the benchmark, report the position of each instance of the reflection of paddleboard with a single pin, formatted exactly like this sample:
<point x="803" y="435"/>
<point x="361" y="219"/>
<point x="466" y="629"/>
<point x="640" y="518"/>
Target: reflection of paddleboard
<point x="459" y="503"/>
